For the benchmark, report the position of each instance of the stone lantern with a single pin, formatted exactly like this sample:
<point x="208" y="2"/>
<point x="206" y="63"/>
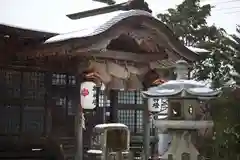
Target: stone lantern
<point x="184" y="98"/>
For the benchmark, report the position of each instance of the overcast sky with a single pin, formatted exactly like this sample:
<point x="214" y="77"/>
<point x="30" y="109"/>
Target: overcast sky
<point x="49" y="15"/>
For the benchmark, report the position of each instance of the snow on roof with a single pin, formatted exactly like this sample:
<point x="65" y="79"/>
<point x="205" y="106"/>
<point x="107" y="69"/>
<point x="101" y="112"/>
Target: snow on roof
<point x="97" y="24"/>
<point x="46" y="16"/>
<point x="106" y="125"/>
<point x="184" y="82"/>
<point x="175" y="87"/>
<point x="197" y="50"/>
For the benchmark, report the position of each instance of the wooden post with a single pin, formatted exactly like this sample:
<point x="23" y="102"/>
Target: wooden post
<point x="78" y="126"/>
<point x="113" y="106"/>
<point x="48" y="103"/>
<point x="146" y="134"/>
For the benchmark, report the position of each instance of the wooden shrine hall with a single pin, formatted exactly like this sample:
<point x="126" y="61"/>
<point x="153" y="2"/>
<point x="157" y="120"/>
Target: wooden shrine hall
<point x="127" y="51"/>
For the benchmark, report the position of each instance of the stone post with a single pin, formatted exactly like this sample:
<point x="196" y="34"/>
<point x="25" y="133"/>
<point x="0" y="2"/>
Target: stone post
<point x="185" y="156"/>
<point x="170" y="157"/>
<point x="199" y="157"/>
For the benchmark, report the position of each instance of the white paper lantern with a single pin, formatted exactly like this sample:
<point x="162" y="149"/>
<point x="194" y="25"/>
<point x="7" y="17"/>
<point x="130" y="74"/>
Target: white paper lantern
<point x="157" y="105"/>
<point x="154" y="105"/>
<point x="88" y="95"/>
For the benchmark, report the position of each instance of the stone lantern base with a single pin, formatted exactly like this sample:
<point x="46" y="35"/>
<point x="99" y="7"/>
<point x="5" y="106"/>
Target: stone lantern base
<point x="181" y="143"/>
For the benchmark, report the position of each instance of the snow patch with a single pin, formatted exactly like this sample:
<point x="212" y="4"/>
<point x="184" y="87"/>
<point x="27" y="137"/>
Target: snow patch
<point x="93" y="151"/>
<point x="107" y="125"/>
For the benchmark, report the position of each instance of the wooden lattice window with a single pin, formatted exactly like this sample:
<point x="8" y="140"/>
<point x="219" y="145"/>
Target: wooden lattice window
<point x="127" y="117"/>
<point x="34" y="87"/>
<point x="59" y="79"/>
<point x="130" y="97"/>
<point x="126" y="97"/>
<point x="10" y="82"/>
<point x="139" y="121"/>
<point x="63" y="102"/>
<point x="72" y="80"/>
<point x="10" y="119"/>
<point x="33" y="119"/>
<point x="103" y="101"/>
<point x="22" y="107"/>
<point x="138" y="97"/>
<point x="132" y="118"/>
<point x="61" y="97"/>
<point x="63" y="79"/>
<point x="130" y="112"/>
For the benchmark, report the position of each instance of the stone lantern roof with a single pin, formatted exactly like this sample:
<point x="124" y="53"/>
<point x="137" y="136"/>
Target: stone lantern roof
<point x="182" y="87"/>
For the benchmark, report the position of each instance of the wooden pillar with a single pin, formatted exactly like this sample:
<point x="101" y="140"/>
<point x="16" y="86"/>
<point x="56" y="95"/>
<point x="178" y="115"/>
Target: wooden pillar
<point x="78" y="125"/>
<point x="99" y="110"/>
<point x="21" y="106"/>
<point x="48" y="103"/>
<point x="146" y="132"/>
<point x="113" y="104"/>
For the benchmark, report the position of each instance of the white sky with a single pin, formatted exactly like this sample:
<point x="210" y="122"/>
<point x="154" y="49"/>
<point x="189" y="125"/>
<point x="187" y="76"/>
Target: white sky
<point x="49" y="15"/>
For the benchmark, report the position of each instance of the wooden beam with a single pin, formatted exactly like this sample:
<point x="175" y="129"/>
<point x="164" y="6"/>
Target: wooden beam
<point x="50" y="65"/>
<point x="120" y="55"/>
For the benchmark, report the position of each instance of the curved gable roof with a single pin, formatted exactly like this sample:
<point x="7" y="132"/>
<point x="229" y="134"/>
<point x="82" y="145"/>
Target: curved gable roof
<point x="110" y="20"/>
